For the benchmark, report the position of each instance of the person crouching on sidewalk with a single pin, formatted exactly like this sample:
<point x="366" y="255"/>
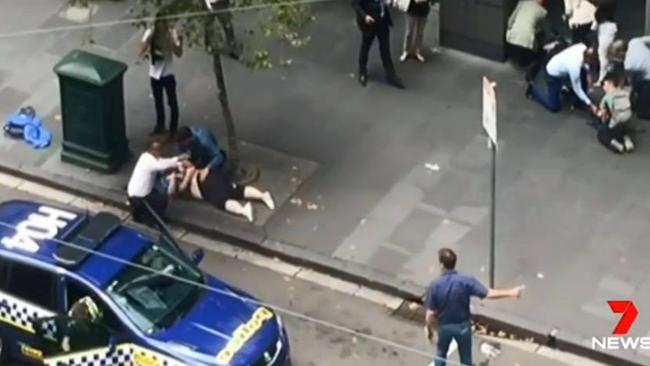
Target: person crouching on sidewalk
<point x="612" y="118"/>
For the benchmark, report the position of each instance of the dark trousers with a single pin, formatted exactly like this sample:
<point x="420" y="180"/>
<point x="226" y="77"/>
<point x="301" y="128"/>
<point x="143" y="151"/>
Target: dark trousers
<point x="462" y="333"/>
<point x="224" y="15"/>
<point x="381" y="31"/>
<point x="521" y="55"/>
<point x="165" y="85"/>
<point x="141" y="214"/>
<point x="606" y="135"/>
<point x="551" y="98"/>
<point x="581" y="34"/>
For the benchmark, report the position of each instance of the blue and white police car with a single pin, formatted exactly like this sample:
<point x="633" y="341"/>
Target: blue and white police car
<point x="157" y="308"/>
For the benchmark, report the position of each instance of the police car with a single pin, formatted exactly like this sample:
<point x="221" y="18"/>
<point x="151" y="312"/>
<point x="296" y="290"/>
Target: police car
<point x="157" y="308"/>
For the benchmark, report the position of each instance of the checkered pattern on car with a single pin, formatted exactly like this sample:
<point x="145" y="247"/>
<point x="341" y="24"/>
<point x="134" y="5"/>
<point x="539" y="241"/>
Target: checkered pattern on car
<point x="122" y="355"/>
<point x="19" y="313"/>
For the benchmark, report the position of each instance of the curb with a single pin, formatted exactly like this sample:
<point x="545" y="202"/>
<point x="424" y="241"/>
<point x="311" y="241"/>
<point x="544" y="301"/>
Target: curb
<point x="255" y="240"/>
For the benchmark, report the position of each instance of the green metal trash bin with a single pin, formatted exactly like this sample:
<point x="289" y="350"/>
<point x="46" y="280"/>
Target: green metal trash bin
<point x="92" y="106"/>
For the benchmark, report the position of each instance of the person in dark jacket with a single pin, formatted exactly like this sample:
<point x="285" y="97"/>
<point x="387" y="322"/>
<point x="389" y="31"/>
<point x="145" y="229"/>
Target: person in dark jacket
<point x="201" y="145"/>
<point x="374" y="21"/>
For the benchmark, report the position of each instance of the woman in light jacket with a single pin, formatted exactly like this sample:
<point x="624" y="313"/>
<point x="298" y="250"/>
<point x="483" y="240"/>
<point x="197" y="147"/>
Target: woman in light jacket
<point x="524" y="24"/>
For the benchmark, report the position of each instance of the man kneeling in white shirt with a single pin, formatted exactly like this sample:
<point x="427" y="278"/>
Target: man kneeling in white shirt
<point x="141" y="189"/>
<point x="567" y="65"/>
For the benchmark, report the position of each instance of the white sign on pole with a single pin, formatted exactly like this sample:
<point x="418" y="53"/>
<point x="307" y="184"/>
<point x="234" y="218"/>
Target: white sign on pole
<point x="490" y="110"/>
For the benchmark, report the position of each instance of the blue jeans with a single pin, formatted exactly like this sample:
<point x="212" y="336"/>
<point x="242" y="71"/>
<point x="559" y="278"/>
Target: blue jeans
<point x="552" y="97"/>
<point x="462" y="333"/>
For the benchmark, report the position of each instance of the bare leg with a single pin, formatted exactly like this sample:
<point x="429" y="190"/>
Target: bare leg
<point x="236" y="208"/>
<point x="253" y="193"/>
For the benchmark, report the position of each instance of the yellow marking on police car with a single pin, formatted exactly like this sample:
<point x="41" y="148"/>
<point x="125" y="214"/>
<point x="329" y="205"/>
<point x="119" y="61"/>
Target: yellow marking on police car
<point x="16" y="325"/>
<point x="142" y="359"/>
<point x="31" y="352"/>
<point x="243" y="333"/>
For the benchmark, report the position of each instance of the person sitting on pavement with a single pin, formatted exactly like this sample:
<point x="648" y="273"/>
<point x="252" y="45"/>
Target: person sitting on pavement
<point x="213" y="185"/>
<point x="201" y="145"/>
<point x="613" y="116"/>
<point x="141" y="189"/>
<point x="573" y="65"/>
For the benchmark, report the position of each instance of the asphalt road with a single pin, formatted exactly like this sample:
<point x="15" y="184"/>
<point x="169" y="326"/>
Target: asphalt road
<point x="316" y="344"/>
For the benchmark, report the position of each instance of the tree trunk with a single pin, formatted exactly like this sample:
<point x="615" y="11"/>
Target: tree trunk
<point x="233" y="147"/>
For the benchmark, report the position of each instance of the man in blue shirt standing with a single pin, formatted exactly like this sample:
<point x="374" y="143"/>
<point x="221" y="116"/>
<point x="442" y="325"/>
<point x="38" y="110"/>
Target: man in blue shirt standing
<point x="447" y="303"/>
<point x="201" y="145"/>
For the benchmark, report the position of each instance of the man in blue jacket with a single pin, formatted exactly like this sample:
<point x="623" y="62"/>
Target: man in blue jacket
<point x="201" y="145"/>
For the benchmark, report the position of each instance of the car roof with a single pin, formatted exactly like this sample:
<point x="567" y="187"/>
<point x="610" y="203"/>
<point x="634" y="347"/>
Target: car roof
<point x="96" y="247"/>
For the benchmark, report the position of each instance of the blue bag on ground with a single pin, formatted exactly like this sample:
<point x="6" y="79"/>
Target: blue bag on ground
<point x="26" y="125"/>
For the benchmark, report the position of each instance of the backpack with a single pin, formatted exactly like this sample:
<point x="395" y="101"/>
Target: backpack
<point x="621" y="108"/>
<point x="15" y="126"/>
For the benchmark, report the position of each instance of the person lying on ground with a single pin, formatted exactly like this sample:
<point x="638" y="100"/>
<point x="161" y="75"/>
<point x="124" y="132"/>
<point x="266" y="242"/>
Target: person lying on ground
<point x="613" y="116"/>
<point x="214" y="186"/>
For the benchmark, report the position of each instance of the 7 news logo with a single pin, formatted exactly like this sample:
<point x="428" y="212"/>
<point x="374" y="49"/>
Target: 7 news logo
<point x="620" y="341"/>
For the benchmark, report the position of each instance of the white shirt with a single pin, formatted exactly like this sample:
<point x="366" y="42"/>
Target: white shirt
<point x="637" y="59"/>
<point x="165" y="66"/>
<point x="569" y="63"/>
<point x="145" y="172"/>
<point x="579" y="12"/>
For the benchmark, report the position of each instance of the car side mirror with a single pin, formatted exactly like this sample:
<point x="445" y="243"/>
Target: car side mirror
<point x="197" y="256"/>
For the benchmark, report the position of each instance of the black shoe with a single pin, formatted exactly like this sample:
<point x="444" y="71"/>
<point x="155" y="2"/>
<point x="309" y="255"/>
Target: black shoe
<point x="157" y="131"/>
<point x="235" y="51"/>
<point x="395" y="81"/>
<point x="363" y="79"/>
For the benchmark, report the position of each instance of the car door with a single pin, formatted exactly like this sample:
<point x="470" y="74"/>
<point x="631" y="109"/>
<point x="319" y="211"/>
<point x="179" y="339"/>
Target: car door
<point x="27" y="292"/>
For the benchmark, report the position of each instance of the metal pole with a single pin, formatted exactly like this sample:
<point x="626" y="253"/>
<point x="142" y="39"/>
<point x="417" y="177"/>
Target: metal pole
<point x="493" y="213"/>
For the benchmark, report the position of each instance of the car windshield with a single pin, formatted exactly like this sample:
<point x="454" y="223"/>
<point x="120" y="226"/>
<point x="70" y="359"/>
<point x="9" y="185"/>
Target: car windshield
<point x="159" y="289"/>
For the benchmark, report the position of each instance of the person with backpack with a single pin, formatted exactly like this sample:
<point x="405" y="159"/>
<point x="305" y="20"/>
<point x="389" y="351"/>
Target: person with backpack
<point x="160" y="44"/>
<point x="613" y="116"/>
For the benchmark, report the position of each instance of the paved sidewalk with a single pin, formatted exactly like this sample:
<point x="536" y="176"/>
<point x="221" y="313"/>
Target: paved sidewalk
<point x="390" y="176"/>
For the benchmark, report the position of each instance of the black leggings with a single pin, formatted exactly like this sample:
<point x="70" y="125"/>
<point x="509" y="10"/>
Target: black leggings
<point x="167" y="85"/>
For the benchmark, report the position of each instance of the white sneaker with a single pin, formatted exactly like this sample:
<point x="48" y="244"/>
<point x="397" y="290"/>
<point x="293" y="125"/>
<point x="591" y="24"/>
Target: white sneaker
<point x="248" y="212"/>
<point x="419" y="56"/>
<point x="618" y="146"/>
<point x="629" y="145"/>
<point x="268" y="200"/>
<point x="403" y="57"/>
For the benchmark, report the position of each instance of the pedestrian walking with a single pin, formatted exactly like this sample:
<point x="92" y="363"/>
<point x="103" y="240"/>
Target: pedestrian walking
<point x="571" y="65"/>
<point x="448" y="308"/>
<point x="416" y="20"/>
<point x="580" y="15"/>
<point x="141" y="189"/>
<point x="160" y="44"/>
<point x="525" y="31"/>
<point x="374" y="21"/>
<point x="224" y="16"/>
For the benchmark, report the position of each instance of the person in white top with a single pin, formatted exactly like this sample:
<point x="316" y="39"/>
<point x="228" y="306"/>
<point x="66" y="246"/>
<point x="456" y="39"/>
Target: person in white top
<point x="607" y="30"/>
<point x="161" y="43"/>
<point x="142" y="190"/>
<point x="580" y="14"/>
<point x="568" y="65"/>
<point x="637" y="60"/>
